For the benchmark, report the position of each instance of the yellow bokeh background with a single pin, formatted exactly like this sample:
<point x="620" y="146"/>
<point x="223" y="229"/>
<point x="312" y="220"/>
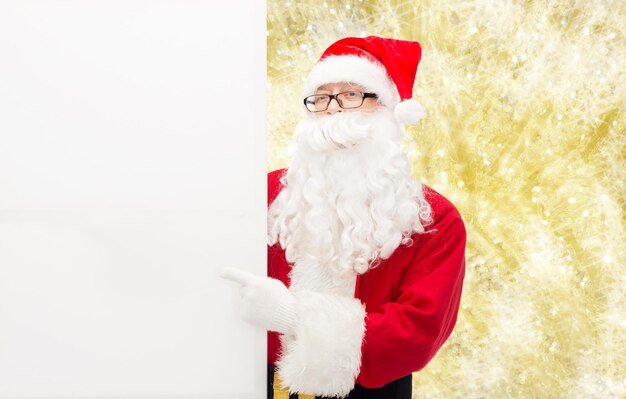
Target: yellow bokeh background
<point x="525" y="133"/>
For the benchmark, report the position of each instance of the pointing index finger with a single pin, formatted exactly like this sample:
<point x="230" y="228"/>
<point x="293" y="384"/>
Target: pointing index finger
<point x="237" y="275"/>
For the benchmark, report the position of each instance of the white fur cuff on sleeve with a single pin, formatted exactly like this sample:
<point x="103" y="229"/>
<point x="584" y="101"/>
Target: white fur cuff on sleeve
<point x="323" y="357"/>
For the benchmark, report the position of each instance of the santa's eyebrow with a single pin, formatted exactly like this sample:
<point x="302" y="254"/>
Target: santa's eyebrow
<point x="345" y="86"/>
<point x="324" y="87"/>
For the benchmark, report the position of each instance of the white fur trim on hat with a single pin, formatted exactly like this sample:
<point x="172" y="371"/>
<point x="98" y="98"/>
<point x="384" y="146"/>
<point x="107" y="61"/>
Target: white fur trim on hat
<point x="354" y="69"/>
<point x="408" y="112"/>
<point x="323" y="357"/>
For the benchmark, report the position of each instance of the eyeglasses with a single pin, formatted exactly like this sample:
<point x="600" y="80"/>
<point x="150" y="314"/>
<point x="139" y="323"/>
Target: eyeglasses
<point x="346" y="100"/>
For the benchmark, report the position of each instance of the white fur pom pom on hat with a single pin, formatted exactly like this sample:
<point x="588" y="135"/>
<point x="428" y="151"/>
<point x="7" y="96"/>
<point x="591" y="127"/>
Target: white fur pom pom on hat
<point x="409" y="112"/>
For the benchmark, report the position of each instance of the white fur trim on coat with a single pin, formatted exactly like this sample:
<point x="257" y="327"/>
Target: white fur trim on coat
<point x="354" y="69"/>
<point x="323" y="357"/>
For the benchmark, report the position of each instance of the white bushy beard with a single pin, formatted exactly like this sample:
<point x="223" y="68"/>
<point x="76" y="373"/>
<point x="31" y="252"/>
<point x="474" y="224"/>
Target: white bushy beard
<point x="349" y="199"/>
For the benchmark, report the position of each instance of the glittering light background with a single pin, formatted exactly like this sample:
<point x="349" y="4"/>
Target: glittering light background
<point x="525" y="133"/>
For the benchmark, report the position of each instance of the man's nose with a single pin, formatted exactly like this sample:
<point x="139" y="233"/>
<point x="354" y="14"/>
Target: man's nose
<point x="333" y="106"/>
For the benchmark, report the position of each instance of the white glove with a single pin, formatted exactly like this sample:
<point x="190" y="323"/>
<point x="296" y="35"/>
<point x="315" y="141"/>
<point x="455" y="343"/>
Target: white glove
<point x="266" y="302"/>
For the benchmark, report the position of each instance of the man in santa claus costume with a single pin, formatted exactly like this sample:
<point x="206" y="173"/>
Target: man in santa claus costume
<point x="365" y="265"/>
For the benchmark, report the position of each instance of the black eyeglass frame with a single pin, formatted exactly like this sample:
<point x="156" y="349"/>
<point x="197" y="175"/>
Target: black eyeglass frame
<point x="364" y="95"/>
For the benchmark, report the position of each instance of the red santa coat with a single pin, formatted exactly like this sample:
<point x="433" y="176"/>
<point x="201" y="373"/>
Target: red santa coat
<point x="403" y="311"/>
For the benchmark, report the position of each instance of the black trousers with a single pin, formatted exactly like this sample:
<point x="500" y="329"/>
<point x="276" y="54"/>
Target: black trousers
<point x="401" y="388"/>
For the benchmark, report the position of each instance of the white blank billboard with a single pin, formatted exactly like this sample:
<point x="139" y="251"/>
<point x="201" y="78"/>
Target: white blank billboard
<point x="132" y="168"/>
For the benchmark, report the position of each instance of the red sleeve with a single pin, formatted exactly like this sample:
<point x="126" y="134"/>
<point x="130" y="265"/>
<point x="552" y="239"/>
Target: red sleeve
<point x="274" y="185"/>
<point x="277" y="266"/>
<point x="404" y="335"/>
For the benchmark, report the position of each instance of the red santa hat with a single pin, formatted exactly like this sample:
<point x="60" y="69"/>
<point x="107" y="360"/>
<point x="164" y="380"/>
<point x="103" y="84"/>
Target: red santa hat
<point x="383" y="66"/>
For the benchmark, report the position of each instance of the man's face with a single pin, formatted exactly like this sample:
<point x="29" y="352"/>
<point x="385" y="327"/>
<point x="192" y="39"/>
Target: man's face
<point x="369" y="104"/>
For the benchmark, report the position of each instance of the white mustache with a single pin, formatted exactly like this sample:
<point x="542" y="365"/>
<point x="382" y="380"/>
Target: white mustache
<point x="337" y="131"/>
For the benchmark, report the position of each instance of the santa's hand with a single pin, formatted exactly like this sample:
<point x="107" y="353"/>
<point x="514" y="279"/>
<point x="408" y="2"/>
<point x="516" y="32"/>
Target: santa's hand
<point x="266" y="302"/>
